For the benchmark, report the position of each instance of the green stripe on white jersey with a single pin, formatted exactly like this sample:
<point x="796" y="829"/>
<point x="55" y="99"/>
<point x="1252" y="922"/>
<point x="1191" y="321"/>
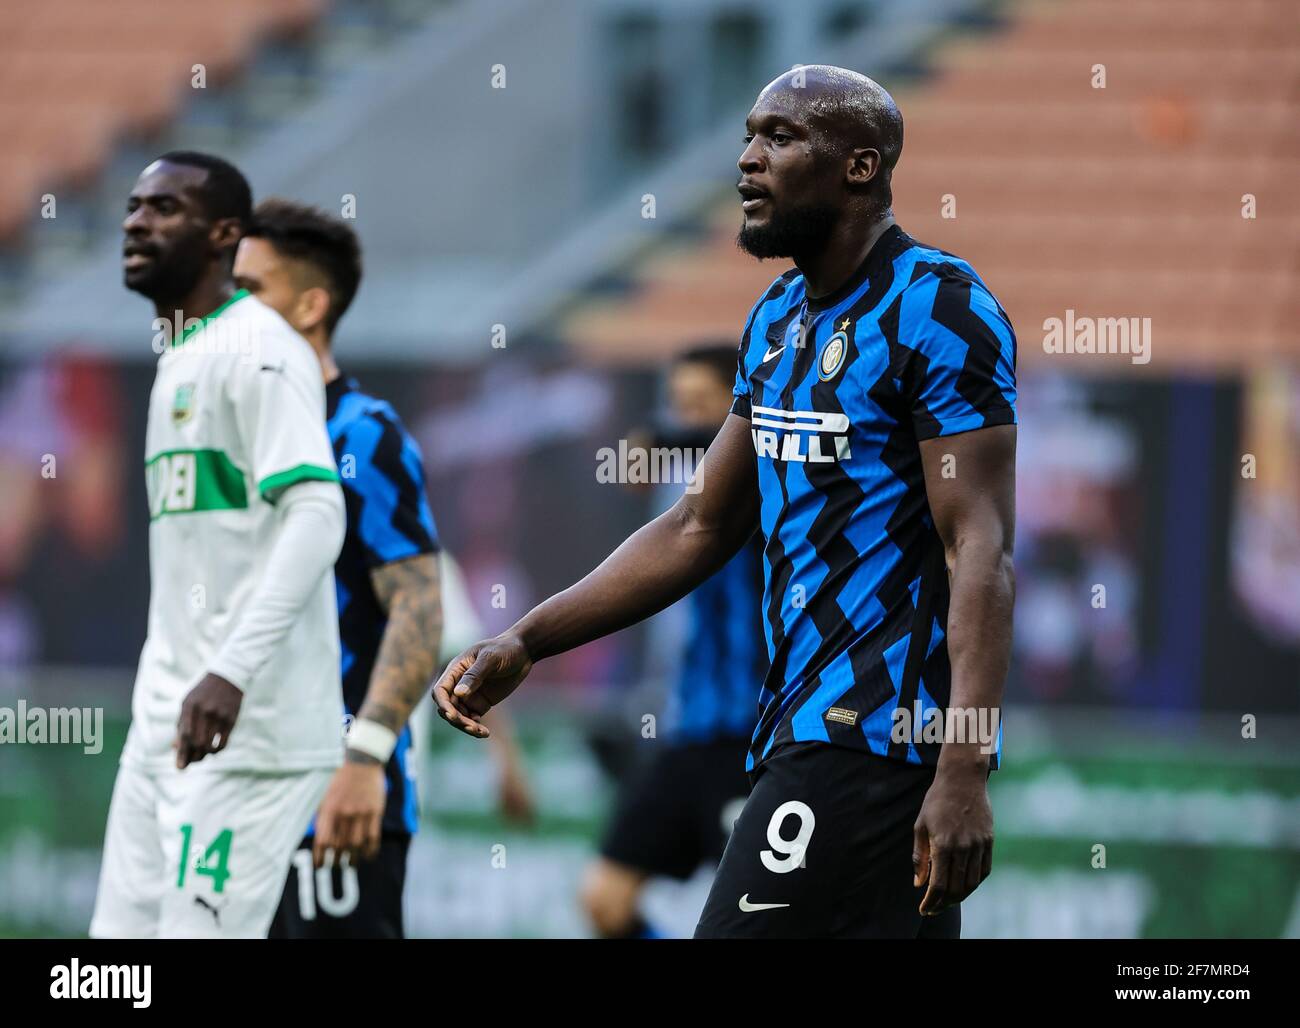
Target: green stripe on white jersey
<point x="236" y="417"/>
<point x="189" y="481"/>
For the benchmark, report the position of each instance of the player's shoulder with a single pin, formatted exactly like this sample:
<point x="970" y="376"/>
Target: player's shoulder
<point x="260" y="341"/>
<point x="944" y="306"/>
<point x="357" y="406"/>
<point x="785" y="291"/>
<point x="785" y="284"/>
<point x="276" y="339"/>
<point x="373" y="424"/>
<point x="927" y="268"/>
<point x="251" y="311"/>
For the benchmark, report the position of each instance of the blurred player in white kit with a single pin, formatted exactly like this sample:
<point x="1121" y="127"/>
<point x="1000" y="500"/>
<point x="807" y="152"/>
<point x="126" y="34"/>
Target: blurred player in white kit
<point x="237" y="712"/>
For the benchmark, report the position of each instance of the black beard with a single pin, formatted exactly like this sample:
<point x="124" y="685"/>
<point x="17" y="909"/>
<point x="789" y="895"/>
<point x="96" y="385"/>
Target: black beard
<point x="794" y="233"/>
<point x="173" y="273"/>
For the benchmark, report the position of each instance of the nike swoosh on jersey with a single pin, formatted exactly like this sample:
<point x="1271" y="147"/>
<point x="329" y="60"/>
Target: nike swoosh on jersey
<point x="748" y="907"/>
<point x="772" y="353"/>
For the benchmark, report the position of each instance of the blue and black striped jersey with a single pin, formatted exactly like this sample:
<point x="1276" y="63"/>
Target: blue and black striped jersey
<point x="388" y="520"/>
<point x="715" y="694"/>
<point x="839" y="391"/>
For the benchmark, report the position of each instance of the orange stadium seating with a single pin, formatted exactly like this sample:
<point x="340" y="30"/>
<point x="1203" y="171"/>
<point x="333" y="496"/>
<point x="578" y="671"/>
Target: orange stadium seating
<point x="77" y="75"/>
<point x="1123" y="201"/>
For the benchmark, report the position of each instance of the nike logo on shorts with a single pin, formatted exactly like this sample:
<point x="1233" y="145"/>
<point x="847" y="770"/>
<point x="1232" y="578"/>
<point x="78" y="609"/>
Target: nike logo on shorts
<point x="748" y="907"/>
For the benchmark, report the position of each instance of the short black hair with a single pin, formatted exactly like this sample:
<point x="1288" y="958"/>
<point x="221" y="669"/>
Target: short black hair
<point x="225" y="191"/>
<point x="305" y="233"/>
<point x="720" y="357"/>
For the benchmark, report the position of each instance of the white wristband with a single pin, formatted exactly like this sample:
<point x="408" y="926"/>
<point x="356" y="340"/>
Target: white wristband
<point x="373" y="739"/>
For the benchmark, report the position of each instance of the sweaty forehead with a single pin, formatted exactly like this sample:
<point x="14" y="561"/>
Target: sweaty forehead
<point x="787" y="105"/>
<point x="813" y="104"/>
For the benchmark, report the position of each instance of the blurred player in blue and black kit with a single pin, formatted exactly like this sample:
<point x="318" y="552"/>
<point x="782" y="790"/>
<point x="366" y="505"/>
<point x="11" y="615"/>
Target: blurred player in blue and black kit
<point x="675" y="812"/>
<point x="872" y="443"/>
<point x="350" y="870"/>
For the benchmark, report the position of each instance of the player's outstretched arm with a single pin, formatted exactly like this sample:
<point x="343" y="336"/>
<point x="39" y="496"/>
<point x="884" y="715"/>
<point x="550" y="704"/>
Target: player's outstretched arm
<point x="973" y="506"/>
<point x="656" y="566"/>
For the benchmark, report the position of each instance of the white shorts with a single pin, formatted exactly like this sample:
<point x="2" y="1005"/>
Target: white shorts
<point x="200" y="854"/>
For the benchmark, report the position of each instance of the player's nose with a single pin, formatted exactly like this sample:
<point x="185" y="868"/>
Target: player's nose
<point x="752" y="159"/>
<point x="134" y="222"/>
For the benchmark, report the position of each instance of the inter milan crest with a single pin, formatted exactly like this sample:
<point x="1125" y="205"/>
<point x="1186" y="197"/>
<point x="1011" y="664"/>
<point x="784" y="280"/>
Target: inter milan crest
<point x="833" y="353"/>
<point x="183" y="404"/>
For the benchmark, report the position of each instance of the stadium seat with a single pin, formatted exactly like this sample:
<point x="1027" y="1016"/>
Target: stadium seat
<point x="76" y="76"/>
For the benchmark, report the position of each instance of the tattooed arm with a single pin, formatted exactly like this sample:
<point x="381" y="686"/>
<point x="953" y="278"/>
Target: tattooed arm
<point x="408" y="591"/>
<point x="408" y="655"/>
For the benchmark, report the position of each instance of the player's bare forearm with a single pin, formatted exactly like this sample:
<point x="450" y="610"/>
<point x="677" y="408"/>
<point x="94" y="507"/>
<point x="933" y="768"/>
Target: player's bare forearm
<point x="974" y="513"/>
<point x="979" y="643"/>
<point x="662" y="561"/>
<point x="408" y="653"/>
<point x="654" y="567"/>
<point x="970" y="488"/>
<point x="657" y="565"/>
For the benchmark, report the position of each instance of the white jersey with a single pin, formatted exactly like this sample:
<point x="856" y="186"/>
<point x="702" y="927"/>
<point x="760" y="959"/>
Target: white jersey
<point x="237" y="414"/>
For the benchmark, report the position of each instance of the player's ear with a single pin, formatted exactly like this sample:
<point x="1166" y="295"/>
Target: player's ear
<point x="226" y="233"/>
<point x="864" y="165"/>
<point x="313" y="305"/>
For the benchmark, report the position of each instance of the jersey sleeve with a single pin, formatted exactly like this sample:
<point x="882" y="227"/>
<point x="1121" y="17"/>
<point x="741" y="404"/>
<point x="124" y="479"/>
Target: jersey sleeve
<point x="383" y="476"/>
<point x="741" y="402"/>
<point x="279" y="410"/>
<point x="960" y="368"/>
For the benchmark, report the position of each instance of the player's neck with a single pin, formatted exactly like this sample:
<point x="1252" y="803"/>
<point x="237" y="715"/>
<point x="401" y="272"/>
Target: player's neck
<point x="827" y="270"/>
<point x="321" y="343"/>
<point x="210" y="292"/>
<point x="329" y="369"/>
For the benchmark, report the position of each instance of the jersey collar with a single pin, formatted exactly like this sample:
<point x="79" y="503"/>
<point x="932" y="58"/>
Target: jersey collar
<point x="239" y="294"/>
<point x="880" y="251"/>
<point x="336" y="390"/>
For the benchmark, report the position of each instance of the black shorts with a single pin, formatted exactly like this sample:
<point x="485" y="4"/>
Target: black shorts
<point x="675" y="813"/>
<point x="823" y="849"/>
<point x="361" y="902"/>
